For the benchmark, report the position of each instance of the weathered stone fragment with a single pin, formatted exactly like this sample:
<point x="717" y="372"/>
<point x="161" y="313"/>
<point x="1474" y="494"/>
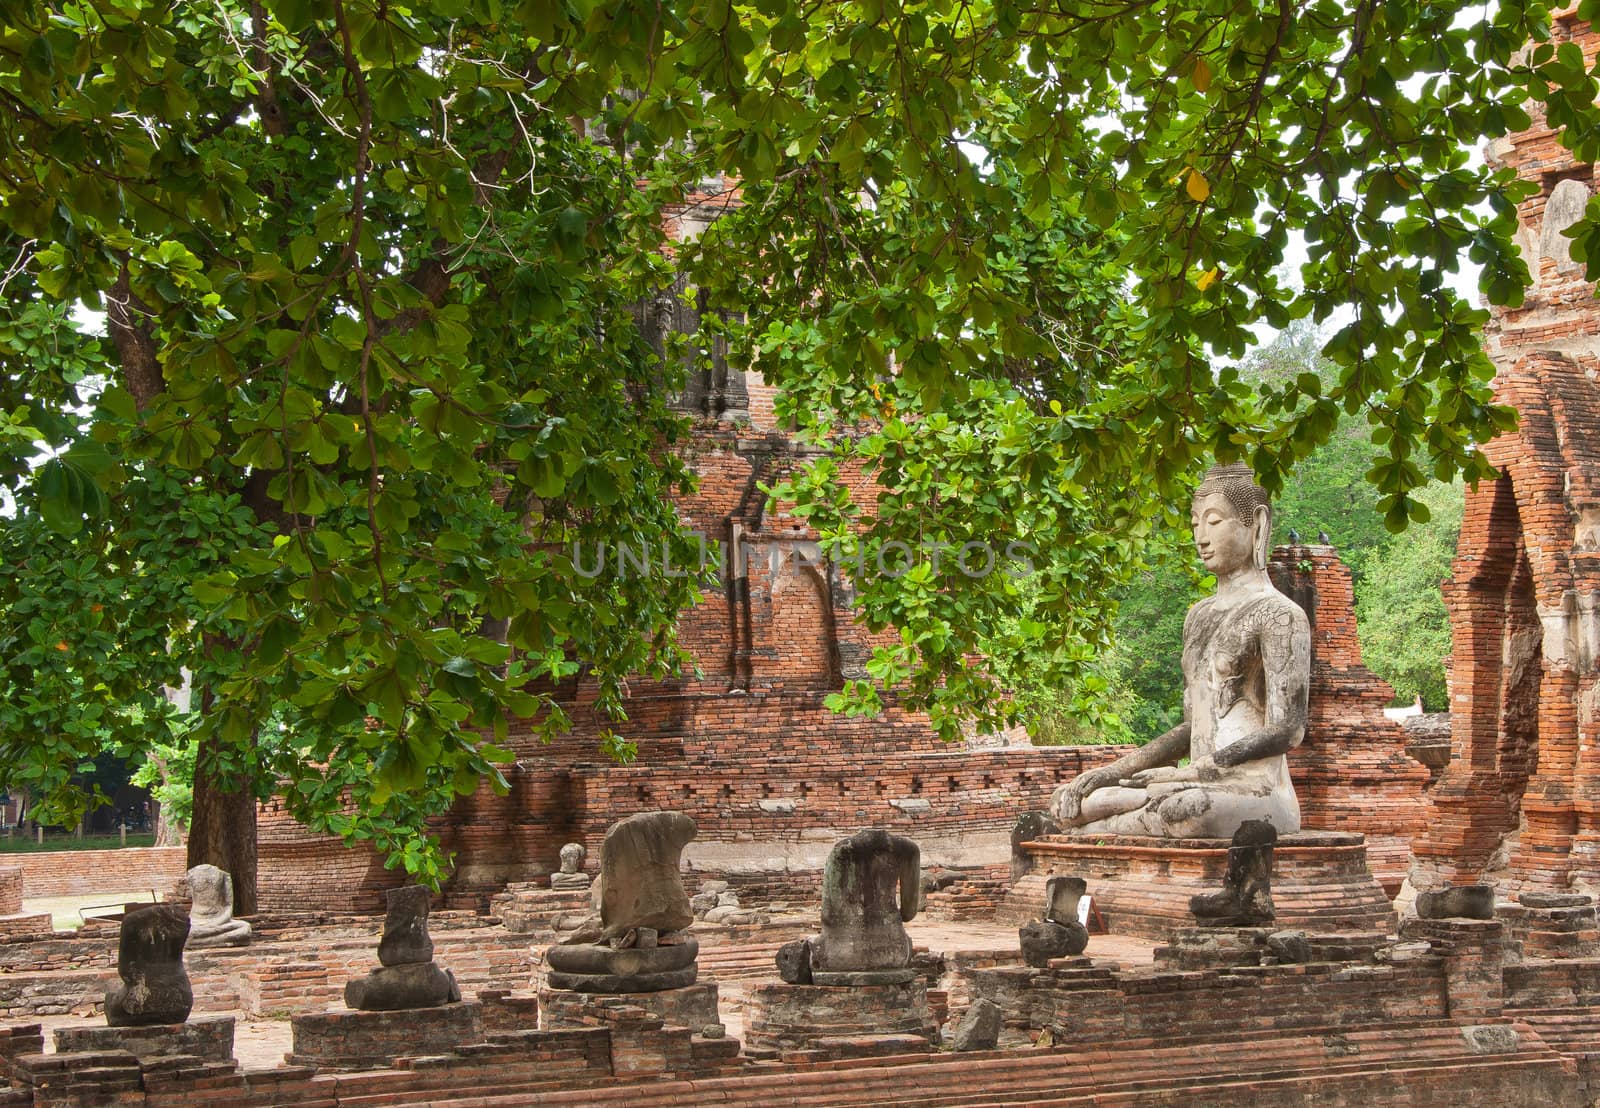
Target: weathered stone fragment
<point x="1290" y="948"/>
<point x="1043" y="940"/>
<point x="155" y="986"/>
<point x="1457" y="902"/>
<point x="402" y="987"/>
<point x="855" y="979"/>
<point x="1555" y="900"/>
<point x="1061" y="897"/>
<point x="639" y="881"/>
<point x="1246" y="896"/>
<point x="623" y="983"/>
<point x="979" y="1028"/>
<point x="1030" y="827"/>
<point x="794" y="962"/>
<point x="600" y="959"/>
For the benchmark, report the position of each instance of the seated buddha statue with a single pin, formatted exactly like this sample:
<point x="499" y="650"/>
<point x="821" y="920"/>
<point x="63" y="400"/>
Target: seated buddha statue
<point x="1246" y="674"/>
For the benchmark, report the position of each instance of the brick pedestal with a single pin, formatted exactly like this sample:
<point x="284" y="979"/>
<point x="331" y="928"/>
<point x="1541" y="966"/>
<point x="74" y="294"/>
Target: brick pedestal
<point x="1141" y="885"/>
<point x="693" y="1006"/>
<point x="1474" y="961"/>
<point x="209" y="1038"/>
<point x="353" y="1040"/>
<point x="811" y="1017"/>
<point x="1558" y="930"/>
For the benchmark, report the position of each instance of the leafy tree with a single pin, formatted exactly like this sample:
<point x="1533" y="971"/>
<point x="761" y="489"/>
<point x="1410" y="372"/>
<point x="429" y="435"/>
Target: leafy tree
<point x="1405" y="631"/>
<point x="371" y="369"/>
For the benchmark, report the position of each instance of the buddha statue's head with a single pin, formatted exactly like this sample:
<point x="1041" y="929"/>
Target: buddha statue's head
<point x="1232" y="520"/>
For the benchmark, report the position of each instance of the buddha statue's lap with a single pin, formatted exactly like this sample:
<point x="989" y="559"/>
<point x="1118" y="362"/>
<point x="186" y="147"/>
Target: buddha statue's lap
<point x="1246" y="667"/>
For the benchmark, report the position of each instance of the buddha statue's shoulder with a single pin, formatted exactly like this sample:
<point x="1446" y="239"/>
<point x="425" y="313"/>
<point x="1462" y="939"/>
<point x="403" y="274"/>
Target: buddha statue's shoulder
<point x="1271" y="610"/>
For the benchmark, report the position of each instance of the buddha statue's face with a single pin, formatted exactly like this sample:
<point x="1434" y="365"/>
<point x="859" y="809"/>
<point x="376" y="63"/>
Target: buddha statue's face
<point x="1225" y="541"/>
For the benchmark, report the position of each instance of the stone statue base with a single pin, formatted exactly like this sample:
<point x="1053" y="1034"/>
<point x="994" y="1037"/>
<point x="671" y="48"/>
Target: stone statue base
<point x="818" y="1017"/>
<point x="1201" y="948"/>
<point x="858" y="978"/>
<point x="405" y="987"/>
<point x="209" y="1038"/>
<point x="1551" y="925"/>
<point x="1142" y="885"/>
<point x="234" y="933"/>
<point x="353" y="1040"/>
<point x="691" y="1006"/>
<point x="598" y="968"/>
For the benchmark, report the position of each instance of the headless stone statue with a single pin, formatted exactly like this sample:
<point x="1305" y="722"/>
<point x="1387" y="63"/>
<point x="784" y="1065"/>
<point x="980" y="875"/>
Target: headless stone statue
<point x="155" y="986"/>
<point x="640" y="885"/>
<point x="1246" y="674"/>
<point x="871" y="885"/>
<point x="408" y="977"/>
<point x="1059" y="934"/>
<point x="639" y="945"/>
<point x="211" y="921"/>
<point x="570" y="875"/>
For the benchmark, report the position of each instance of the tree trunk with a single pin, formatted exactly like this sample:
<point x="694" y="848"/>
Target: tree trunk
<point x="169" y="832"/>
<point x="222" y="830"/>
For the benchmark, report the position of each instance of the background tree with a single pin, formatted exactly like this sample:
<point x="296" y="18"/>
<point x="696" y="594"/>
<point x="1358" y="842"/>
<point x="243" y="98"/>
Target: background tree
<point x="1405" y="631"/>
<point x="367" y="268"/>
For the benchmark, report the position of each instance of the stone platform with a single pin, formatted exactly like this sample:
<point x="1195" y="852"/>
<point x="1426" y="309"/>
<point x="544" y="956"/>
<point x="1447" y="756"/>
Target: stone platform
<point x="348" y="1039"/>
<point x="809" y="1017"/>
<point x="692" y="1006"/>
<point x="209" y="1038"/>
<point x="1141" y="884"/>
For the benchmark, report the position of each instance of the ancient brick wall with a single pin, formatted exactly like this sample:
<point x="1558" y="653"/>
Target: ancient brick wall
<point x="10" y="890"/>
<point x="1352" y="772"/>
<point x="1518" y="805"/>
<point x="86" y="872"/>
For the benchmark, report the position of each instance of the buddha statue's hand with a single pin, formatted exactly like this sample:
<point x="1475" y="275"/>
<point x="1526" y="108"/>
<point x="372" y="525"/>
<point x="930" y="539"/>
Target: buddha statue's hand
<point x="1162" y="775"/>
<point x="1068" y="800"/>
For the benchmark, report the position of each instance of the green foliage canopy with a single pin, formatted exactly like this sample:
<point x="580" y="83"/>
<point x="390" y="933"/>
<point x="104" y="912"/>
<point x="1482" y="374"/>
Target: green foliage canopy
<point x="371" y="369"/>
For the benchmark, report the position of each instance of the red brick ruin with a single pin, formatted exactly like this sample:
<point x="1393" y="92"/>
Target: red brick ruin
<point x="1519" y="803"/>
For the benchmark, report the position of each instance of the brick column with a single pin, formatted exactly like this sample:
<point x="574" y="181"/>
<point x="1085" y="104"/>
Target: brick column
<point x="1474" y="963"/>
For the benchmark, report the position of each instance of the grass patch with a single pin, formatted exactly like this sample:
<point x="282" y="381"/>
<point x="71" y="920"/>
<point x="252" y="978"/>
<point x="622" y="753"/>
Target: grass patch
<point x="19" y="843"/>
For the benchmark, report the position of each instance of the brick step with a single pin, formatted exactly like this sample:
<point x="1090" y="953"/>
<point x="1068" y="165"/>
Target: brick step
<point x="1135" y="1072"/>
<point x="1401" y="1087"/>
<point x="1574" y="1031"/>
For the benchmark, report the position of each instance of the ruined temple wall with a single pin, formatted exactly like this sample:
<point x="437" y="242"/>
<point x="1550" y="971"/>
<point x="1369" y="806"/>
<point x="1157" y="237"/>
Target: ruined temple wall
<point x="1351" y="773"/>
<point x="85" y="872"/>
<point x="1517" y="804"/>
<point x="1558" y="312"/>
